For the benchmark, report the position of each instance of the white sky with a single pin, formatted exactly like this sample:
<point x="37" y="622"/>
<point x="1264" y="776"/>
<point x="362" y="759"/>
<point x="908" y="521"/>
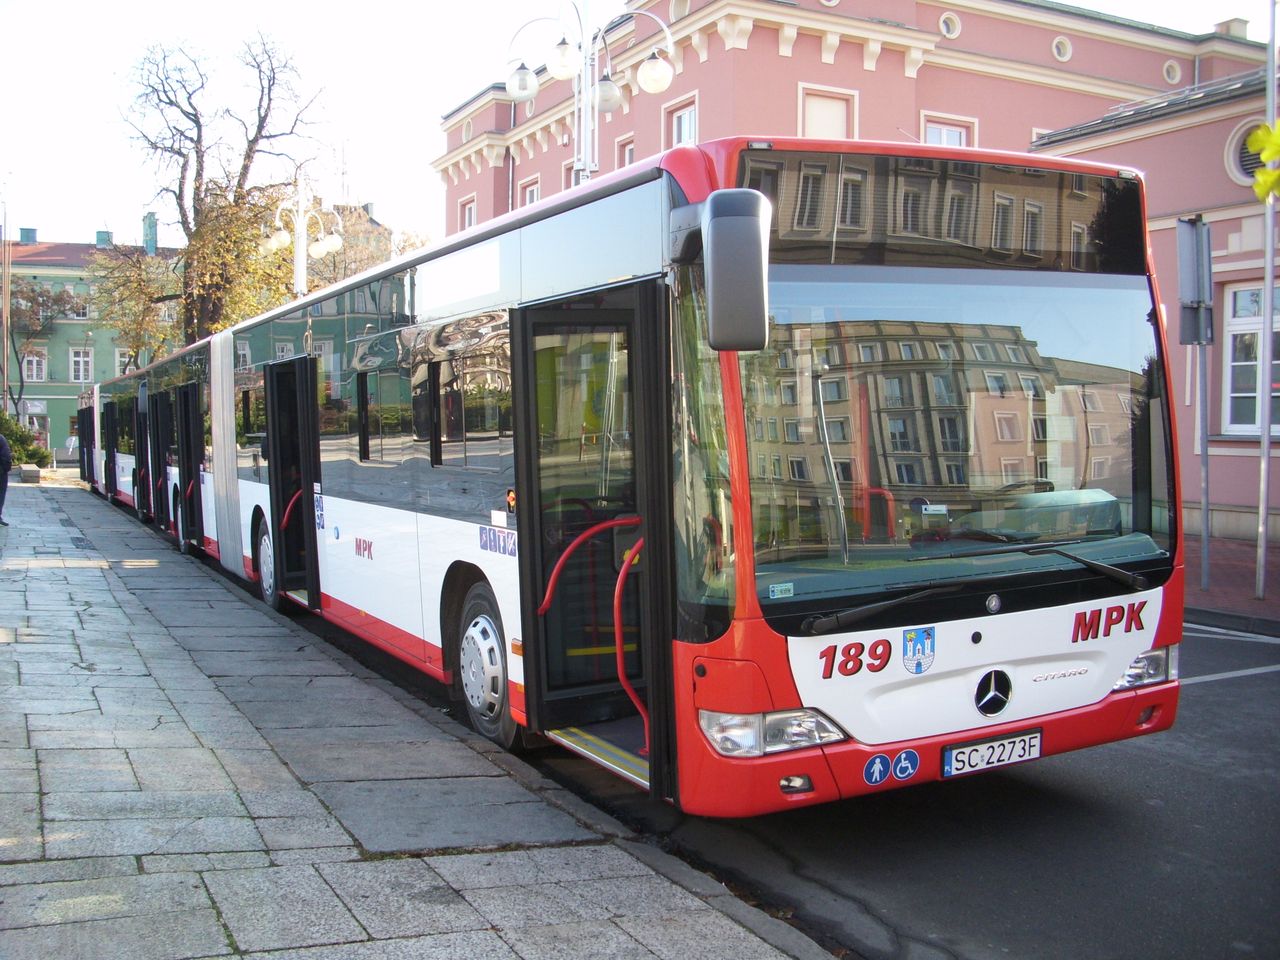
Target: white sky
<point x="386" y="72"/>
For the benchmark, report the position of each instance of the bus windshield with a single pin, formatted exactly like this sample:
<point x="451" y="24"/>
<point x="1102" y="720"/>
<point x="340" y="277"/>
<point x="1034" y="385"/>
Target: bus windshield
<point x="910" y="413"/>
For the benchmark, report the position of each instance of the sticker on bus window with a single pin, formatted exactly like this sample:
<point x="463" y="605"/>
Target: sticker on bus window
<point x="779" y="590"/>
<point x="498" y="541"/>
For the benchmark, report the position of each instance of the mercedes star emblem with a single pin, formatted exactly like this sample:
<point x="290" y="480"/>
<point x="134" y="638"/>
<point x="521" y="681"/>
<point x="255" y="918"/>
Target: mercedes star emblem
<point x="994" y="690"/>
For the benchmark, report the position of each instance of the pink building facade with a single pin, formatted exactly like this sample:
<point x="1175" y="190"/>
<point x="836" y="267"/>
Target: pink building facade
<point x="1192" y="151"/>
<point x="998" y="74"/>
<point x="987" y="73"/>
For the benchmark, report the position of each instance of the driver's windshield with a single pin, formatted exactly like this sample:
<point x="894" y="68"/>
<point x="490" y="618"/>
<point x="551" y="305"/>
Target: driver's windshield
<point x="903" y="413"/>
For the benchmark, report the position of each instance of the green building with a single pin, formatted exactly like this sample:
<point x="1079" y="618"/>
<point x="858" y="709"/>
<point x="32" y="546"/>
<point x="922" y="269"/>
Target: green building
<point x="70" y="352"/>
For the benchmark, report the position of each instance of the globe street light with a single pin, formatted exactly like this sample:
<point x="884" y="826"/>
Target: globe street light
<point x="594" y="89"/>
<point x="301" y="212"/>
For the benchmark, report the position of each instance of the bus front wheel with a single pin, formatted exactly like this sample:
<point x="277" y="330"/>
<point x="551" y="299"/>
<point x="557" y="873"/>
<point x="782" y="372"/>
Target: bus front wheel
<point x="264" y="558"/>
<point x="482" y="667"/>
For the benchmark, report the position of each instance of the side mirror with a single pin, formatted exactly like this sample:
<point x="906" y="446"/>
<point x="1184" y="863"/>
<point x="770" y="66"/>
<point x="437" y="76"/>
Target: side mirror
<point x="733" y="227"/>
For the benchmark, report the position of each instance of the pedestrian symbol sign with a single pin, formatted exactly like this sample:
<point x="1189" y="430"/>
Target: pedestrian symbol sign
<point x="877" y="769"/>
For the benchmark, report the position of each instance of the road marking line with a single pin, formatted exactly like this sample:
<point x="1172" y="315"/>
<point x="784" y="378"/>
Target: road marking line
<point x="1216" y="633"/>
<point x="1232" y="674"/>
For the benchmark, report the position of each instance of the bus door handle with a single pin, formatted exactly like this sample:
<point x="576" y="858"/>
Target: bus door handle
<point x="288" y="511"/>
<point x="578" y="541"/>
<point x="618" y="652"/>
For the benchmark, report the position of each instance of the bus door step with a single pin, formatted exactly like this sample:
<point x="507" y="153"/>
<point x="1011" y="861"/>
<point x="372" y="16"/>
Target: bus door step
<point x="614" y="744"/>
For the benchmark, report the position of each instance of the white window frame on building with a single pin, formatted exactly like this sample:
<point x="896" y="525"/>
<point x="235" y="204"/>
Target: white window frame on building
<point x="852" y="206"/>
<point x="1012" y="469"/>
<point x="35" y="365"/>
<point x="962" y="212"/>
<point x="122" y="362"/>
<point x="81" y="364"/>
<point x="913" y="211"/>
<point x="680" y="124"/>
<point x="948" y="130"/>
<point x="467" y="212"/>
<point x="624" y="151"/>
<point x="530" y="191"/>
<point x="798" y="467"/>
<point x="809" y="206"/>
<point x="827" y="113"/>
<point x="1008" y="425"/>
<point x="1079" y="245"/>
<point x="1032" y="228"/>
<point x="955" y="474"/>
<point x="1002" y="222"/>
<point x="244" y="357"/>
<point x="1241" y="354"/>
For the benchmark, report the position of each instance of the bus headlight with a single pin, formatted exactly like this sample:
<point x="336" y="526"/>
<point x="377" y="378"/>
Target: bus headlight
<point x="755" y="734"/>
<point x="1155" y="666"/>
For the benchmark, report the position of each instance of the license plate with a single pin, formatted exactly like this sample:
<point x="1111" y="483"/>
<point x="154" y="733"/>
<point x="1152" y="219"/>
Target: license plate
<point x="984" y="754"/>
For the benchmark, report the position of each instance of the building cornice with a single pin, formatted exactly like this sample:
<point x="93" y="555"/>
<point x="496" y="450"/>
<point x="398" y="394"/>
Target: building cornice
<point x="1041" y="75"/>
<point x="1112" y="29"/>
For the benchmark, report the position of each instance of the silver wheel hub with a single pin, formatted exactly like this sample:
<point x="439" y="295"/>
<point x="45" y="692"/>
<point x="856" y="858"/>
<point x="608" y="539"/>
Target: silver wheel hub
<point x="480" y="659"/>
<point x="266" y="564"/>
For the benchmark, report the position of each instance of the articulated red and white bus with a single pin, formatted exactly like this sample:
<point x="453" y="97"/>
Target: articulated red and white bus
<point x="763" y="472"/>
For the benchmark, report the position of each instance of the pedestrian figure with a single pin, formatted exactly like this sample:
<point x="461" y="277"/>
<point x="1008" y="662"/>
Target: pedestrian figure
<point x="6" y="464"/>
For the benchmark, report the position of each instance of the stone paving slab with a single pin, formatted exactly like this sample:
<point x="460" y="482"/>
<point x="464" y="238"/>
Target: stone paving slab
<point x="410" y="815"/>
<point x="184" y="773"/>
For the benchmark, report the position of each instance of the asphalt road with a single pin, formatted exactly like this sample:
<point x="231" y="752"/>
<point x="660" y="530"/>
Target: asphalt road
<point x="1160" y="847"/>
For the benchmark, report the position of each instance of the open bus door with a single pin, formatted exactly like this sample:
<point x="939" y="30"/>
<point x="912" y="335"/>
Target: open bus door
<point x="142" y="483"/>
<point x="87" y="443"/>
<point x="593" y="485"/>
<point x="160" y="430"/>
<point x="293" y="473"/>
<point x="190" y="428"/>
<point x="110" y="437"/>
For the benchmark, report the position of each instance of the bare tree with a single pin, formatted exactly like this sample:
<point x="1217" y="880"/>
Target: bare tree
<point x="220" y="208"/>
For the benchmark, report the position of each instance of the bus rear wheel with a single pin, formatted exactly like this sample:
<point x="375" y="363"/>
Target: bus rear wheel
<point x="482" y="667"/>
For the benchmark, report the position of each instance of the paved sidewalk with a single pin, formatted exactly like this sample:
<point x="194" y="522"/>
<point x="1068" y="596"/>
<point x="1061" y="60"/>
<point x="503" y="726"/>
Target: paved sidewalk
<point x="1231" y="601"/>
<point x="184" y="773"/>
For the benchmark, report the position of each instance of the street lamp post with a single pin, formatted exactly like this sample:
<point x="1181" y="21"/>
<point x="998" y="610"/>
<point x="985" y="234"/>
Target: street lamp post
<point x="300" y="213"/>
<point x="594" y="89"/>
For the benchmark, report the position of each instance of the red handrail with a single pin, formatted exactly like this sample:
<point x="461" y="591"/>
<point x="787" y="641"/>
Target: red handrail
<point x="581" y="538"/>
<point x="618" y="652"/>
<point x="284" y="522"/>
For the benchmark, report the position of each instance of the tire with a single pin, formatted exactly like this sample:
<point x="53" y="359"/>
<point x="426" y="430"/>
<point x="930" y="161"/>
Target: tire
<point x="482" y="668"/>
<point x="184" y="545"/>
<point x="264" y="559"/>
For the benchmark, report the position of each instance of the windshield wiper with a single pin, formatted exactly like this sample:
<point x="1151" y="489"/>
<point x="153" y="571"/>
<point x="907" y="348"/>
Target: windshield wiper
<point x="834" y="621"/>
<point x="1134" y="581"/>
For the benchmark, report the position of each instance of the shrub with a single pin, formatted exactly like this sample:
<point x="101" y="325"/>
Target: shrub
<point x="23" y="442"/>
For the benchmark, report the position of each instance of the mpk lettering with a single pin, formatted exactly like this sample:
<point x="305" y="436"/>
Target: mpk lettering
<point x="1090" y="624"/>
